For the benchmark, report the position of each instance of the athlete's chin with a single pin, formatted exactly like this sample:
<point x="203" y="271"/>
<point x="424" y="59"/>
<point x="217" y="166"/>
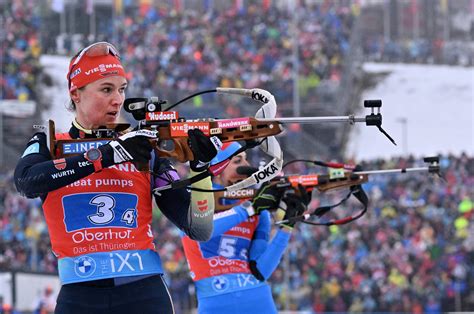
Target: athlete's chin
<point x="111" y="119"/>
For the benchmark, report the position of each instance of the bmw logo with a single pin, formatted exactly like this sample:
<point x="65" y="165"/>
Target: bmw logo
<point x="220" y="284"/>
<point x="84" y="266"/>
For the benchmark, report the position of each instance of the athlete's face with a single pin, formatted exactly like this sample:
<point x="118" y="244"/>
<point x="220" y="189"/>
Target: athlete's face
<point x="230" y="175"/>
<point x="99" y="102"/>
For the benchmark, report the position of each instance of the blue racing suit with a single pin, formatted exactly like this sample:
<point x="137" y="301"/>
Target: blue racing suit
<point x="230" y="269"/>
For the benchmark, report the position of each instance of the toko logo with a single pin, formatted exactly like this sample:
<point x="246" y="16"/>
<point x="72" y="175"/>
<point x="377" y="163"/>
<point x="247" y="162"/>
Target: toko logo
<point x="265" y="173"/>
<point x="259" y="97"/>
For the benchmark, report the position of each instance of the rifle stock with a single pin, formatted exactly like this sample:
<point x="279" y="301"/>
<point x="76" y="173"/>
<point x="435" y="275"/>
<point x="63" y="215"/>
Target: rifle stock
<point x="175" y="131"/>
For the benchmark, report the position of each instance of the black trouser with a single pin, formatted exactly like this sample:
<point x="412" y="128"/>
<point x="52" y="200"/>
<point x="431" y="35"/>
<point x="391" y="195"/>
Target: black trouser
<point x="149" y="295"/>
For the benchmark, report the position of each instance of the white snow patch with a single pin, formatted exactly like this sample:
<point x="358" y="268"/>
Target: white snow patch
<point x="437" y="102"/>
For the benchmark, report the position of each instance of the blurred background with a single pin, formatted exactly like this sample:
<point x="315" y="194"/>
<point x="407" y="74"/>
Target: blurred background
<point x="414" y="249"/>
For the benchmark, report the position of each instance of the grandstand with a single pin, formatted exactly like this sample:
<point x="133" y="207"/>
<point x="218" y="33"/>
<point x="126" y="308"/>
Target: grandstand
<point x="416" y="242"/>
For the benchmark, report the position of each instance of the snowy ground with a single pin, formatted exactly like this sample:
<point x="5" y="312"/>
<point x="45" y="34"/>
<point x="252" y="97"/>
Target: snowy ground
<point x="437" y="101"/>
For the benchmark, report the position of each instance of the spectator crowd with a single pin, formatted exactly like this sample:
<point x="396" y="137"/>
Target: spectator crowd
<point x="20" y="51"/>
<point x="189" y="51"/>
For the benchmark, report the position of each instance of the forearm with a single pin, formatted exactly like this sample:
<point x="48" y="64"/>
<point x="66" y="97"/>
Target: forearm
<point x="261" y="236"/>
<point x="190" y="212"/>
<point x="37" y="174"/>
<point x="226" y="220"/>
<point x="268" y="261"/>
<point x="202" y="210"/>
<point x="43" y="177"/>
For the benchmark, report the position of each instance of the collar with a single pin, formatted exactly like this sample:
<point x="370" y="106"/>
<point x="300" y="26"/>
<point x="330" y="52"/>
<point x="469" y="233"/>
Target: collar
<point x="77" y="131"/>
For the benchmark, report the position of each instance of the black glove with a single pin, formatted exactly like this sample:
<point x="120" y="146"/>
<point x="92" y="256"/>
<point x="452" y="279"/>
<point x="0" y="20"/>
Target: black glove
<point x="133" y="146"/>
<point x="203" y="148"/>
<point x="267" y="198"/>
<point x="296" y="205"/>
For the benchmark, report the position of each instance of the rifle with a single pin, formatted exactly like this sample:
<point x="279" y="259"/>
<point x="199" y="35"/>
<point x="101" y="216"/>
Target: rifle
<point x="323" y="182"/>
<point x="259" y="130"/>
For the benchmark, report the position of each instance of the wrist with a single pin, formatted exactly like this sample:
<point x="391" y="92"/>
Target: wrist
<point x="107" y="155"/>
<point x="198" y="166"/>
<point x="94" y="156"/>
<point x="286" y="228"/>
<point x="247" y="205"/>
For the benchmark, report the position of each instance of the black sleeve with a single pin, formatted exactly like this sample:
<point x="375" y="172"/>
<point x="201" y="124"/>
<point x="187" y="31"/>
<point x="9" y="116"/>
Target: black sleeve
<point x="174" y="204"/>
<point x="37" y="173"/>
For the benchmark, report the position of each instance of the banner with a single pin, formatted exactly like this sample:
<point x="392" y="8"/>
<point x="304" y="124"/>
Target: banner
<point x="16" y="108"/>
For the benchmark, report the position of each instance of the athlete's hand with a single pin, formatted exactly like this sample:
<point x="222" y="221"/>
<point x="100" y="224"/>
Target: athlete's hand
<point x="203" y="148"/>
<point x="267" y="198"/>
<point x="295" y="205"/>
<point x="134" y="146"/>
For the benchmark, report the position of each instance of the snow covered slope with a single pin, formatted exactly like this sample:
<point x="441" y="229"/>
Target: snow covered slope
<point x="438" y="103"/>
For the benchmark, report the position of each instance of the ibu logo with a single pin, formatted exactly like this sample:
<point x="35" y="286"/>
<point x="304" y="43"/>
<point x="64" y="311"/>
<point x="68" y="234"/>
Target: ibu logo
<point x="220" y="284"/>
<point x="84" y="266"/>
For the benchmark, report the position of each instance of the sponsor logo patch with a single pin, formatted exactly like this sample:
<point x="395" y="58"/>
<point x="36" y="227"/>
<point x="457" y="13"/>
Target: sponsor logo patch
<point x="239" y="193"/>
<point x="75" y="73"/>
<point x="220" y="284"/>
<point x="81" y="147"/>
<point x="202" y="205"/>
<point x="232" y="123"/>
<point x="181" y="128"/>
<point x="60" y="164"/>
<point x="265" y="173"/>
<point x="103" y="68"/>
<point x="304" y="180"/>
<point x="84" y="266"/>
<point x="161" y="116"/>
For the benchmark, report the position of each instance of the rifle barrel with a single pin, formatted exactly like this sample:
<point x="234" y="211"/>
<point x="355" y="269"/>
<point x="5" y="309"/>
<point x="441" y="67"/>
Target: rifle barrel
<point x="399" y="170"/>
<point x="350" y="119"/>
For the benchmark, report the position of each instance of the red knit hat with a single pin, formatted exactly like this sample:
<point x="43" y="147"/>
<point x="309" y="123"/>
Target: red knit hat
<point x="93" y="63"/>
